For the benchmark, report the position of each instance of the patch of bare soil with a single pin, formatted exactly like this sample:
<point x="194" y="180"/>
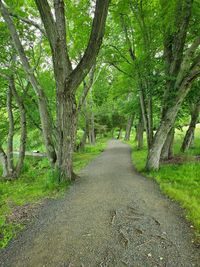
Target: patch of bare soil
<point x="25" y="213"/>
<point x="110" y="217"/>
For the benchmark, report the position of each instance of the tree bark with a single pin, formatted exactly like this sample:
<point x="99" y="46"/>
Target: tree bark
<point x="129" y="127"/>
<point x="23" y="129"/>
<point x="92" y="125"/>
<point x="139" y="134"/>
<point x="4" y="162"/>
<point x="92" y="130"/>
<point x="167" y="150"/>
<point x="10" y="130"/>
<point x="189" y="136"/>
<point x="147" y="117"/>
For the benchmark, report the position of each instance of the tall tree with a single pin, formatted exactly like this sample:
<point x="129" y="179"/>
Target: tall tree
<point x="59" y="140"/>
<point x="182" y="68"/>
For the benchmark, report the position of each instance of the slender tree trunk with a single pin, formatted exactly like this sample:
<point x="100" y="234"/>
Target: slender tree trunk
<point x="91" y="126"/>
<point x="10" y="130"/>
<point x="129" y="127"/>
<point x="150" y="120"/>
<point x="167" y="150"/>
<point x="189" y="136"/>
<point x="23" y="129"/>
<point x="82" y="144"/>
<point x="139" y="134"/>
<point x="92" y="130"/>
<point x="4" y="163"/>
<point x="119" y="134"/>
<point x="147" y="118"/>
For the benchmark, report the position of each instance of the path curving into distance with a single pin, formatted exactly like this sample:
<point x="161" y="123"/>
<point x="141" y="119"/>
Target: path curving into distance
<point x="111" y="216"/>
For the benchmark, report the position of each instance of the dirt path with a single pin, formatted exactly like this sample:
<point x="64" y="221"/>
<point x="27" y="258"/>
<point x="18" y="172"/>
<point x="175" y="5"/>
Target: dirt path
<point x="110" y="217"/>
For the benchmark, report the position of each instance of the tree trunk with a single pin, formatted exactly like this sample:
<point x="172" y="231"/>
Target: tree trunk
<point x="82" y="143"/>
<point x="4" y="162"/>
<point x="92" y="129"/>
<point x="167" y="150"/>
<point x="167" y="123"/>
<point x="129" y="127"/>
<point x="150" y="121"/>
<point x="67" y="120"/>
<point x="10" y="130"/>
<point x="147" y="117"/>
<point x="139" y="134"/>
<point x="23" y="129"/>
<point x="119" y="134"/>
<point x="189" y="136"/>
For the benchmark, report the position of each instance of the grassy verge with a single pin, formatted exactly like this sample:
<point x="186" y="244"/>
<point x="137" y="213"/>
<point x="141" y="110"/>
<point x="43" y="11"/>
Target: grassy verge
<point x="36" y="183"/>
<point x="180" y="182"/>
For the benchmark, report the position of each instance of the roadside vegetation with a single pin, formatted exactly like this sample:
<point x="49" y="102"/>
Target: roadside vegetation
<point x="178" y="177"/>
<point x="19" y="198"/>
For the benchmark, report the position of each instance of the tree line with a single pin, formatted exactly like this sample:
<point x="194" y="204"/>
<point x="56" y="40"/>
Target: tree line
<point x="91" y="67"/>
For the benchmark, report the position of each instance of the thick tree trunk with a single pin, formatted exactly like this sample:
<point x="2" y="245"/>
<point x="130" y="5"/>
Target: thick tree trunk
<point x="166" y="125"/>
<point x="129" y="127"/>
<point x="67" y="120"/>
<point x="4" y="163"/>
<point x="10" y="130"/>
<point x="189" y="136"/>
<point x="167" y="150"/>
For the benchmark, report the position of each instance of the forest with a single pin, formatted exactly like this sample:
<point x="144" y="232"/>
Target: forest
<point x="80" y="78"/>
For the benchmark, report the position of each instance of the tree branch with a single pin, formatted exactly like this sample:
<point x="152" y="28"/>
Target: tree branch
<point x="119" y="69"/>
<point x="61" y="29"/>
<point x="48" y="21"/>
<point x="95" y="41"/>
<point x="120" y="53"/>
<point x="29" y="22"/>
<point x="86" y="88"/>
<point x="131" y="50"/>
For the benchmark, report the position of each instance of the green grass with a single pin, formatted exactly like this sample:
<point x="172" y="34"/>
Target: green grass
<point x="37" y="182"/>
<point x="180" y="182"/>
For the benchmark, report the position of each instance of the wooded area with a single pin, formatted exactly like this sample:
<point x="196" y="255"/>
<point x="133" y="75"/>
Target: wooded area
<point x="76" y="72"/>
